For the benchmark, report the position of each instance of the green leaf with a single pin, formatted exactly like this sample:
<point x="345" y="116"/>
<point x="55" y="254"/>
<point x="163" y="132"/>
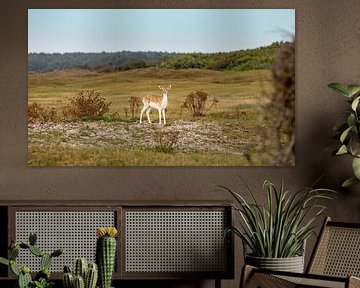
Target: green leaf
<point x="353" y="89"/>
<point x="349" y="182"/>
<point x="340" y="88"/>
<point x="14" y="268"/>
<point x="351" y="120"/>
<point x="36" y="251"/>
<point x="354" y="145"/>
<point x="355" y="103"/>
<point x="13" y="253"/>
<point x="4" y="261"/>
<point x="356" y="167"/>
<point x="342" y="150"/>
<point x="345" y="134"/>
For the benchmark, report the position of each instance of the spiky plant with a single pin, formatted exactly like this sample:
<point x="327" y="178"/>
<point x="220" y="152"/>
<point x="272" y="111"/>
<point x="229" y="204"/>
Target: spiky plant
<point x="279" y="229"/>
<point x="106" y="254"/>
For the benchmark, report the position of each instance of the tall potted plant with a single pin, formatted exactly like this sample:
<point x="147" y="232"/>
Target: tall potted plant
<point x="349" y="131"/>
<point x="276" y="233"/>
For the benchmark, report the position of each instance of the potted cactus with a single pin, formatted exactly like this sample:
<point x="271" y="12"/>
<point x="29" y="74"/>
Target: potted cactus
<point x="106" y="254"/>
<point x="84" y="275"/>
<point x="42" y="278"/>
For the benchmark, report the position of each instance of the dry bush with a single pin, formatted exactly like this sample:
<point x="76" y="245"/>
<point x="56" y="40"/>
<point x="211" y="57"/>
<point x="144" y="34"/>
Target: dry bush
<point x="37" y="113"/>
<point x="134" y="106"/>
<point x="86" y="104"/>
<point x="126" y="111"/>
<point x="196" y="101"/>
<point x="281" y="109"/>
<point x="165" y="141"/>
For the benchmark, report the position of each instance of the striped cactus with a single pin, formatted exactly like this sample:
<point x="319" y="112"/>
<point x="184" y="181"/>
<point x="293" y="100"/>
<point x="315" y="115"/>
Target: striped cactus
<point x="106" y="254"/>
<point x="68" y="280"/>
<point x="81" y="265"/>
<point x="79" y="282"/>
<point x="84" y="276"/>
<point x="91" y="276"/>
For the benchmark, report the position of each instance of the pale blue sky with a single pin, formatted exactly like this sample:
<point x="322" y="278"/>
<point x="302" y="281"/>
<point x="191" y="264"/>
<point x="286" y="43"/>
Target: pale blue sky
<point x="171" y="30"/>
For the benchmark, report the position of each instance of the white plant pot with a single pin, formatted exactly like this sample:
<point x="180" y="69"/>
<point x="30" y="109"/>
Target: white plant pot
<point x="291" y="264"/>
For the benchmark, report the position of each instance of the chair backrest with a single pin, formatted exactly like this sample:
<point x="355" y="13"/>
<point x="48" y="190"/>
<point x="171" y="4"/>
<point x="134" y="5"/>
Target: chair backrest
<point x="337" y="251"/>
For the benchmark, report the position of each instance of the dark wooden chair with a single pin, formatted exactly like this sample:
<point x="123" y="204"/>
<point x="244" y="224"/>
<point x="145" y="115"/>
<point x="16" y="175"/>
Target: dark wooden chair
<point x="335" y="262"/>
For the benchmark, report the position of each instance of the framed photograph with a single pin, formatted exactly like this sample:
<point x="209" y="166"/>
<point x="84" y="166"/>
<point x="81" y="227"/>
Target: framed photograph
<point x="161" y="87"/>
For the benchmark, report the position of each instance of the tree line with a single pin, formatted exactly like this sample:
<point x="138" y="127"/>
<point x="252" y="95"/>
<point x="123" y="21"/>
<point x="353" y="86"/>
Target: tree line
<point x="249" y="59"/>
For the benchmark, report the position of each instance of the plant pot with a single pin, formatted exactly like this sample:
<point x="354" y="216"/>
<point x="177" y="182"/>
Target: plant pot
<point x="291" y="264"/>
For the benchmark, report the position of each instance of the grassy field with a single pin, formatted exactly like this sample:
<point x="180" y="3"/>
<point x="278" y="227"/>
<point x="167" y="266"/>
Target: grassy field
<point x="229" y="134"/>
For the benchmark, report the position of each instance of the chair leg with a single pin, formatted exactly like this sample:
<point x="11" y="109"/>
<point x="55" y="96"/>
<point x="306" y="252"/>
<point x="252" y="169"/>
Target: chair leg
<point x="354" y="282"/>
<point x="246" y="274"/>
<point x="217" y="282"/>
<point x="250" y="278"/>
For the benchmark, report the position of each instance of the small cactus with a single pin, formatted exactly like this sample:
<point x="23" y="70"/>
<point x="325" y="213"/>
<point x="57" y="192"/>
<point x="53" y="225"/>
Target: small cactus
<point x="32" y="239"/>
<point x="68" y="280"/>
<point x="79" y="282"/>
<point x="24" y="246"/>
<point x="106" y="254"/>
<point x="36" y="251"/>
<point x="67" y="269"/>
<point x="45" y="261"/>
<point x="91" y="276"/>
<point x="13" y="253"/>
<point x="80" y="268"/>
<point x="23" y="273"/>
<point x="84" y="274"/>
<point x="57" y="252"/>
<point x="24" y="277"/>
<point x="44" y="273"/>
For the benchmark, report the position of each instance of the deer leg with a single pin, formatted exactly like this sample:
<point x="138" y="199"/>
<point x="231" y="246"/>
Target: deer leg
<point x="148" y="114"/>
<point x="142" y="112"/>
<point x="163" y="112"/>
<point x="159" y="116"/>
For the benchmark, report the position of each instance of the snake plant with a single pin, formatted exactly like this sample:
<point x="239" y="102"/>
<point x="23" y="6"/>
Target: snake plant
<point x="349" y="131"/>
<point x="279" y="228"/>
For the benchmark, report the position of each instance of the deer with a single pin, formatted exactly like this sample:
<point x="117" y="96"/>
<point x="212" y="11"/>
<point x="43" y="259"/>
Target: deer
<point x="156" y="102"/>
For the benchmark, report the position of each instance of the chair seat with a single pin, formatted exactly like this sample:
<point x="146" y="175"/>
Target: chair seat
<point x="315" y="282"/>
<point x="268" y="279"/>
